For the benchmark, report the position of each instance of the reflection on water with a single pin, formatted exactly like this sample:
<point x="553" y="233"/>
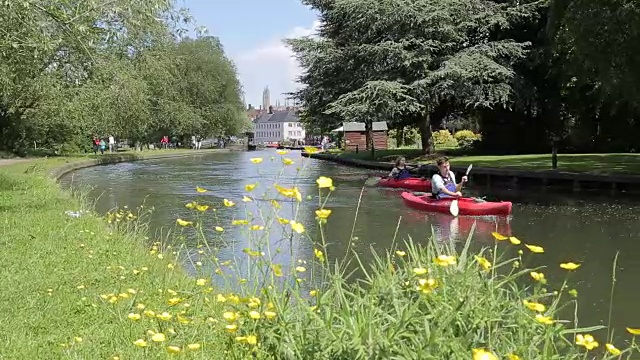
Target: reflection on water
<point x="588" y="230"/>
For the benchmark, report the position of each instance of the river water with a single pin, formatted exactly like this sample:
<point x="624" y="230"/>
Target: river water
<point x="588" y="229"/>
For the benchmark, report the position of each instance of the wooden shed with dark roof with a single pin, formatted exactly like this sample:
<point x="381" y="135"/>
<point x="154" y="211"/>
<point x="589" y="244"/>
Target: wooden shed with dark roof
<point x="355" y="136"/>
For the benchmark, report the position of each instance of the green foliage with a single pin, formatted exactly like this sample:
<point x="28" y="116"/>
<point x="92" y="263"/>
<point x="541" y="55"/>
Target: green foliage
<point x="119" y="69"/>
<point x="431" y="52"/>
<point x="443" y="138"/>
<point x="466" y="138"/>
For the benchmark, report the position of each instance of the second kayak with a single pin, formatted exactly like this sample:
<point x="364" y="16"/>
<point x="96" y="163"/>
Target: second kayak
<point x="415" y="184"/>
<point x="467" y="206"/>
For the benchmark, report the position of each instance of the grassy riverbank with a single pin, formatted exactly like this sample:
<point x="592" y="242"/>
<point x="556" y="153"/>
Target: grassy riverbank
<point x="80" y="287"/>
<point x="591" y="163"/>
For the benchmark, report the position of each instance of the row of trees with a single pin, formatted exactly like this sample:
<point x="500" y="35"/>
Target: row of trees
<point x="72" y="69"/>
<point x="530" y="73"/>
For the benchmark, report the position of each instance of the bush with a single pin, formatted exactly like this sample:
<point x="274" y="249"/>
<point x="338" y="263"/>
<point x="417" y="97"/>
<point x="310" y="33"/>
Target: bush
<point x="443" y="138"/>
<point x="466" y="138"/>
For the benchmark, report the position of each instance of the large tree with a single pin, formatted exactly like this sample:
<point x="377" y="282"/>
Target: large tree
<point x="419" y="58"/>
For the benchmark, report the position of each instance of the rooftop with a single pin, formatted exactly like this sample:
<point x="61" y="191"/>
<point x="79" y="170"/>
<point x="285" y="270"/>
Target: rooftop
<point x="278" y="117"/>
<point x="359" y="126"/>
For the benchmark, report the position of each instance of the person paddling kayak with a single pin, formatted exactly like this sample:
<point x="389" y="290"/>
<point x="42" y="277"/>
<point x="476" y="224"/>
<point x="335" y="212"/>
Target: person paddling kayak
<point x="443" y="184"/>
<point x="400" y="171"/>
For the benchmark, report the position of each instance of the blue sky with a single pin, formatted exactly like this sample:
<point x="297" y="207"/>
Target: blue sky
<point x="251" y="32"/>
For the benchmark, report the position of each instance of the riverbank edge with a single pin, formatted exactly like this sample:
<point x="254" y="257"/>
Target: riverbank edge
<point x="73" y="262"/>
<point x="513" y="177"/>
<point x="109" y="159"/>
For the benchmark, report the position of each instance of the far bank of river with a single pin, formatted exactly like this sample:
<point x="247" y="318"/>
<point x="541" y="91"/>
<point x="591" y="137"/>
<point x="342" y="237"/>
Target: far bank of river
<point x="588" y="230"/>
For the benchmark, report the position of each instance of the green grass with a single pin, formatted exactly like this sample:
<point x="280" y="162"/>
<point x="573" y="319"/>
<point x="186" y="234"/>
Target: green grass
<point x="582" y="163"/>
<point x="80" y="277"/>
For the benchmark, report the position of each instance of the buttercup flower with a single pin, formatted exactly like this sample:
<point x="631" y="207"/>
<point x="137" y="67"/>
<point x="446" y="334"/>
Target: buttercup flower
<point x="256" y="160"/>
<point x="200" y="190"/>
<point x="445" y="260"/>
<point x="323" y="213"/>
<point x="535" y="249"/>
<point x="324" y="182"/>
<point x="569" y="266"/>
<point x="587" y="341"/>
<point x="612" y="349"/>
<point x="250" y="187"/>
<point x="482" y="354"/>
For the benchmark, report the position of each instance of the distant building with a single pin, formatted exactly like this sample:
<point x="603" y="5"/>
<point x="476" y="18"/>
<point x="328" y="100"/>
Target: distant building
<point x="355" y="135"/>
<point x="277" y="126"/>
<point x="266" y="98"/>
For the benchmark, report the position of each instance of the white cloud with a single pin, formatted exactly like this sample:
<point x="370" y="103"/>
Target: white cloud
<point x="271" y="64"/>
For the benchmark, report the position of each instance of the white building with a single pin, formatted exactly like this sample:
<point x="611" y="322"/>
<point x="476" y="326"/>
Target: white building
<point x="277" y="127"/>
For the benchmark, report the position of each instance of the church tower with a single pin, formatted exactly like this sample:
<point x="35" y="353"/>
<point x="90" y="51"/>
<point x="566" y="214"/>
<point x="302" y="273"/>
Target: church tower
<point x="266" y="98"/>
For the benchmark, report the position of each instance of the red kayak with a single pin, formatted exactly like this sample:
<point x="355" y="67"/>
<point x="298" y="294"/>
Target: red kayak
<point x="467" y="206"/>
<point x="415" y="184"/>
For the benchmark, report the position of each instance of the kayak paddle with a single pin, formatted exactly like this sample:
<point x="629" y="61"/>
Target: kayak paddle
<point x="453" y="208"/>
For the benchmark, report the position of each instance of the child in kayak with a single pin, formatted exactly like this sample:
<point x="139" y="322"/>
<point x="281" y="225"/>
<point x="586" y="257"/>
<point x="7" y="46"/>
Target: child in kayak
<point x="443" y="184"/>
<point x="400" y="171"/>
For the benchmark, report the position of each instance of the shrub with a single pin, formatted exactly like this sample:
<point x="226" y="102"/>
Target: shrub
<point x="466" y="138"/>
<point x="443" y="138"/>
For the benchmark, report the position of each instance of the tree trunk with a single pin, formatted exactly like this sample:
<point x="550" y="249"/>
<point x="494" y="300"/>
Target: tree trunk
<point x="425" y="134"/>
<point x="369" y="136"/>
<point x="400" y="137"/>
<point x="554" y="154"/>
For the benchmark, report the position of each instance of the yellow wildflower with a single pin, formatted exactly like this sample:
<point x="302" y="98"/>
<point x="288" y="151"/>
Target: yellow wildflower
<point x="173" y="349"/>
<point x="535" y="249"/>
<point x="140" y="343"/>
<point x="202" y="208"/>
<point x="297" y="227"/>
<point x="184" y="222"/>
<point x="324" y="182"/>
<point x="164" y="316"/>
<point x="158" y="337"/>
<point x="231" y="327"/>
<point x="200" y="190"/>
<point x="310" y="149"/>
<point x="219" y="229"/>
<point x="134" y="316"/>
<point x="277" y="269"/>
<point x="256" y="160"/>
<point x="570" y="266"/>
<point x="250" y="187"/>
<point x="612" y="349"/>
<point x="538" y="277"/>
<point x="445" y="260"/>
<point x="319" y="255"/>
<point x="246" y="199"/>
<point x="587" y="341"/>
<point x="633" y="331"/>
<point x="419" y="271"/>
<point x="282" y="152"/>
<point x="254" y="315"/>
<point x="513" y="357"/>
<point x="486" y="264"/>
<point x="300" y="269"/>
<point x="228" y="203"/>
<point x="283" y="221"/>
<point x="482" y="354"/>
<point x="514" y="240"/>
<point x="547" y="320"/>
<point x="323" y="213"/>
<point x="426" y="285"/>
<point x="195" y="346"/>
<point x="269" y="314"/>
<point x="230" y="316"/>
<point x="287" y="161"/>
<point x="400" y="253"/>
<point x="499" y="236"/>
<point x="534" y="306"/>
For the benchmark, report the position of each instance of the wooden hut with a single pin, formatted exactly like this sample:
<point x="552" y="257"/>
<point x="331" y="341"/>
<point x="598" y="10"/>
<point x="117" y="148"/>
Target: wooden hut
<point x="355" y="136"/>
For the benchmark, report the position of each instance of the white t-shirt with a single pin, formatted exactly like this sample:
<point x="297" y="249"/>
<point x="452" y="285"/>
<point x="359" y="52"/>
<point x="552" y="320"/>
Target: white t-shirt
<point x="112" y="140"/>
<point x="438" y="183"/>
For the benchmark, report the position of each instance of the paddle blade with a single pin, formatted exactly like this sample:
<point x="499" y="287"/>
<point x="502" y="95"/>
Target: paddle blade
<point x="469" y="169"/>
<point x="453" y="209"/>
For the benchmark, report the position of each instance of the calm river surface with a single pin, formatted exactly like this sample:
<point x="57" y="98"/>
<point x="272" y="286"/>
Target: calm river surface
<point x="579" y="228"/>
